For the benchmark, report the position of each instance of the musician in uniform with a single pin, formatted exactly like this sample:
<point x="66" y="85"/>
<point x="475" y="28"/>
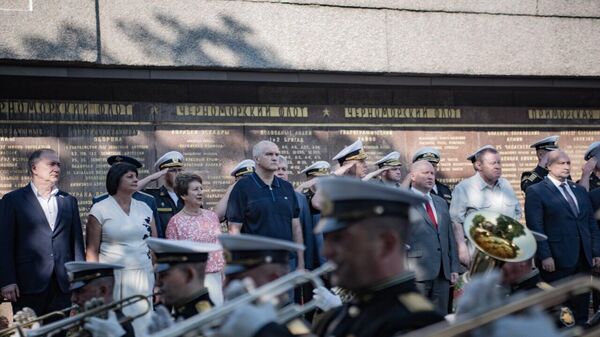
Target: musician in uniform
<point x="167" y="201"/>
<point x="352" y="160"/>
<point x="433" y="156"/>
<point x="93" y="280"/>
<point x="389" y="170"/>
<point x="181" y="267"/>
<point x="141" y="196"/>
<point x="365" y="226"/>
<point x="542" y="147"/>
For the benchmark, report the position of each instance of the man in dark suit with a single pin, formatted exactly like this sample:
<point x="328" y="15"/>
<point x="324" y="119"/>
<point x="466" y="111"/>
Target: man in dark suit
<point x="41" y="231"/>
<point x="563" y="211"/>
<point x="432" y="254"/>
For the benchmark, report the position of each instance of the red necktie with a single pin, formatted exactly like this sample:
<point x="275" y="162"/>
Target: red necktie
<point x="431" y="215"/>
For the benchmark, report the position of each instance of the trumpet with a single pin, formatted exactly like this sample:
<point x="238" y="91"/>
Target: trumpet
<point x="267" y="292"/>
<point x="544" y="299"/>
<point x="79" y="319"/>
<point x="19" y="327"/>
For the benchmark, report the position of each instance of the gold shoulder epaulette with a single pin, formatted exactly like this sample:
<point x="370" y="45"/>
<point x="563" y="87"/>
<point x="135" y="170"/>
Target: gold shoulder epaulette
<point x="525" y="175"/>
<point x="415" y="302"/>
<point x="203" y="306"/>
<point x="544" y="286"/>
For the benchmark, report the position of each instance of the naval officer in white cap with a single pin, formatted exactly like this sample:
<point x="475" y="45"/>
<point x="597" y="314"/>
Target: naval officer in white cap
<point x="168" y="203"/>
<point x="433" y="156"/>
<point x="352" y="160"/>
<point x="590" y="176"/>
<point x="389" y="170"/>
<point x="542" y="147"/>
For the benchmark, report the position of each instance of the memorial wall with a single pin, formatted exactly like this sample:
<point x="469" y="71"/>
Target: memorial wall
<point x="213" y="138"/>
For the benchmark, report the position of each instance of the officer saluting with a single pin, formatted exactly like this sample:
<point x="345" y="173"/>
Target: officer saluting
<point x="542" y="147"/>
<point x="167" y="201"/>
<point x="308" y="188"/>
<point x="352" y="160"/>
<point x="365" y="226"/>
<point x="388" y="170"/>
<point x="433" y="156"/>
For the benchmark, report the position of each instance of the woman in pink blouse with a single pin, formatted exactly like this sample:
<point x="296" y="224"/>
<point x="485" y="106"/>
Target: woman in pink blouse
<point x="195" y="223"/>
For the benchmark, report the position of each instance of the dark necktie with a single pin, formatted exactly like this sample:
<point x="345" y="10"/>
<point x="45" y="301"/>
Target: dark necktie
<point x="569" y="199"/>
<point x="431" y="215"/>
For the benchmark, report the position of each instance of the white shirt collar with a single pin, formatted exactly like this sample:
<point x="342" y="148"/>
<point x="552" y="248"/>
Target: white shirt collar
<point x="37" y="193"/>
<point x="555" y="181"/>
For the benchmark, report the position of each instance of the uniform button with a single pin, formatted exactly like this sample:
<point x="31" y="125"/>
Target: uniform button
<point x="353" y="311"/>
<point x="52" y="255"/>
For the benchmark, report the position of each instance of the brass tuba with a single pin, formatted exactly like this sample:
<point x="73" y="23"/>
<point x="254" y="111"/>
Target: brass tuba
<point x="497" y="239"/>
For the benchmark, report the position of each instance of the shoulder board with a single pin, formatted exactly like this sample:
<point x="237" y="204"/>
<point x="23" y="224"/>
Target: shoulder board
<point x="203" y="306"/>
<point x="544" y="286"/>
<point x="164" y="209"/>
<point x="298" y="327"/>
<point x="145" y="194"/>
<point x="415" y="302"/>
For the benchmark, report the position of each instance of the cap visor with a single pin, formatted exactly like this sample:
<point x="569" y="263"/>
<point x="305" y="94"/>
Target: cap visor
<point x="327" y="225"/>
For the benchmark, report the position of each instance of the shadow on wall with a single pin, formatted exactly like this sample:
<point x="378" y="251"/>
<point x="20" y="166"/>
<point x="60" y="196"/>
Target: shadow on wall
<point x="71" y="43"/>
<point x="233" y="44"/>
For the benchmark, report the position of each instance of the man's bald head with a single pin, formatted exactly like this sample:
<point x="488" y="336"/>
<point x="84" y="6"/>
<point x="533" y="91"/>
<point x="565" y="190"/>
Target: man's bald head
<point x="420" y="164"/>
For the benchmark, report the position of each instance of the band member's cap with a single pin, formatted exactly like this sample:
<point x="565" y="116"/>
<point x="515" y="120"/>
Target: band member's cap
<point x="247" y="251"/>
<point x="81" y="273"/>
<point x="172" y="252"/>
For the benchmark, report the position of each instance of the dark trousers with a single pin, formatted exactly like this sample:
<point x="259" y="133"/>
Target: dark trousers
<point x="51" y="299"/>
<point x="437" y="291"/>
<point x="579" y="304"/>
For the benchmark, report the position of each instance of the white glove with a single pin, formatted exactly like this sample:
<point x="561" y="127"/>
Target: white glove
<point x="109" y="327"/>
<point x="237" y="288"/>
<point x="160" y="320"/>
<point x="325" y="299"/>
<point x="485" y="286"/>
<point x="247" y="320"/>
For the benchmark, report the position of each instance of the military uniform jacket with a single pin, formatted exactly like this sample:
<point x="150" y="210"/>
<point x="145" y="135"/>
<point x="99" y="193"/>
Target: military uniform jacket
<point x="529" y="178"/>
<point x="382" y="311"/>
<point x="164" y="204"/>
<point x="199" y="304"/>
<point x="443" y="191"/>
<point x="594" y="182"/>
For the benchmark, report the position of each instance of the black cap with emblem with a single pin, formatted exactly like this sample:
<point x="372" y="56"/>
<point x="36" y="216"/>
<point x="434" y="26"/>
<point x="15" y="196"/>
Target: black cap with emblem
<point x="346" y="200"/>
<point x="247" y="251"/>
<point x="81" y="273"/>
<point x="123" y="159"/>
<point x="172" y="252"/>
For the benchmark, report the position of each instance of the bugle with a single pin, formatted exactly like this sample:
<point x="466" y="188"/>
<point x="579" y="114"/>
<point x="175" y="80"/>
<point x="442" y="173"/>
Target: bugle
<point x="19" y="327"/>
<point x="543" y="299"/>
<point x="267" y="292"/>
<point x="79" y="319"/>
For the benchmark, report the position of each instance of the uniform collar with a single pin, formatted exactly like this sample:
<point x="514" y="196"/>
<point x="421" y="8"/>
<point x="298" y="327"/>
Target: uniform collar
<point x="399" y="284"/>
<point x="199" y="303"/>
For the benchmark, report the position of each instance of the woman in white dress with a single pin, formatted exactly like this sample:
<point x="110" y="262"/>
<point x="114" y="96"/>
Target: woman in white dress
<point x="116" y="232"/>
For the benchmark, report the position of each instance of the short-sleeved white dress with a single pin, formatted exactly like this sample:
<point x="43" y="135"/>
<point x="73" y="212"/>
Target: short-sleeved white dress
<point x="123" y="242"/>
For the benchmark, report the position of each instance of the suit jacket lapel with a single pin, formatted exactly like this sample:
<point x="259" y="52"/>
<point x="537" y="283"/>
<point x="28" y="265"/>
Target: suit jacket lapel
<point x="557" y="195"/>
<point x="423" y="212"/>
<point x="438" y="207"/>
<point x="60" y="204"/>
<point x="31" y="198"/>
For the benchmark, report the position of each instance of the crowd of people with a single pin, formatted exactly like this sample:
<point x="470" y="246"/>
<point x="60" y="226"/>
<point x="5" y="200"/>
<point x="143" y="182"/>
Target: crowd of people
<point x="397" y="243"/>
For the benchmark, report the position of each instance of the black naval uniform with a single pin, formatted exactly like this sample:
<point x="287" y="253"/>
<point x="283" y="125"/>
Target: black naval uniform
<point x="443" y="191"/>
<point x="165" y="205"/>
<point x="198" y="304"/>
<point x="529" y="178"/>
<point x="594" y="182"/>
<point x="380" y="311"/>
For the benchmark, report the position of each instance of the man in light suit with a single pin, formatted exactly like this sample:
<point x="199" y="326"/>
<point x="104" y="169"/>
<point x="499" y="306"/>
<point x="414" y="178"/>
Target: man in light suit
<point x="563" y="211"/>
<point x="432" y="254"/>
<point x="41" y="231"/>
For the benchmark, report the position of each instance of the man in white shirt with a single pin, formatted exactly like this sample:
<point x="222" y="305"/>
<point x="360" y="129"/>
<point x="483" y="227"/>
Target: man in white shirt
<point x="41" y="230"/>
<point x="432" y="254"/>
<point x="485" y="190"/>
